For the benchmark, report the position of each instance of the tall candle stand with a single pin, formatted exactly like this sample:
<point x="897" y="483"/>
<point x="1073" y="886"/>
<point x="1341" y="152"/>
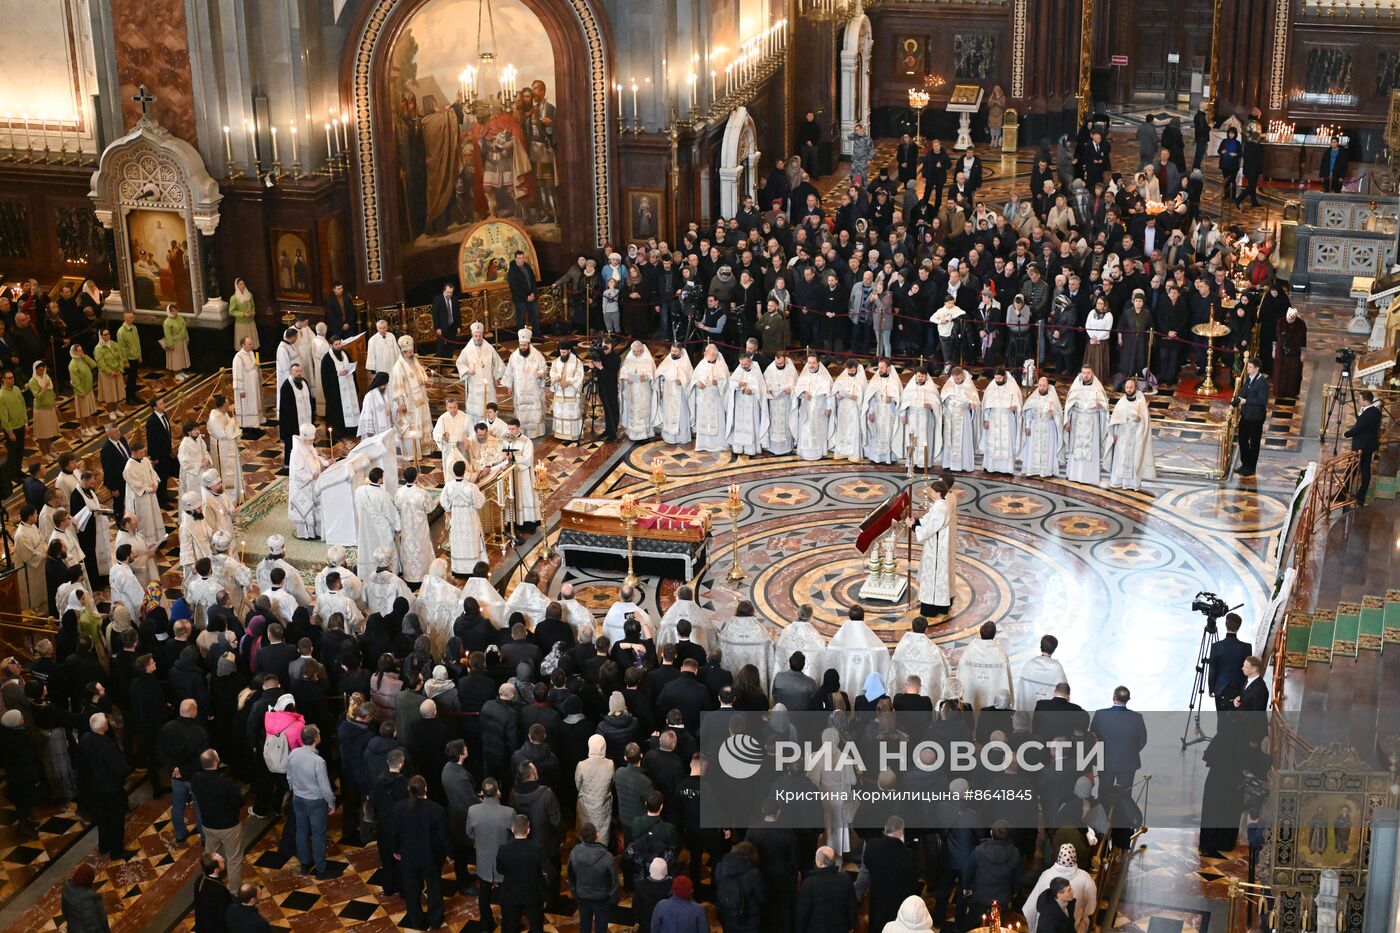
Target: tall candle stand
<point x="658" y="477"/>
<point x="231" y="168"/>
<point x="543" y="487"/>
<point x="630" y="513"/>
<point x="733" y="505"/>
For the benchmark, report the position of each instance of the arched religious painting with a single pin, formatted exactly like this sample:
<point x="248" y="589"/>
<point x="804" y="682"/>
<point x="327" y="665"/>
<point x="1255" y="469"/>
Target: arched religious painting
<point x="472" y="86"/>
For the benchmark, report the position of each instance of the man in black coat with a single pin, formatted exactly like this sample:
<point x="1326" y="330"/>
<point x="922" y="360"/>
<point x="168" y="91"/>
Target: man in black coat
<point x="523" y="292"/>
<point x="421" y="845"/>
<point x="1252" y="397"/>
<point x="115" y="453"/>
<point x="159" y="447"/>
<point x="1226" y="678"/>
<point x="935" y="170"/>
<point x="687" y="694"/>
<point x="906" y="157"/>
<point x="892" y="872"/>
<point x="104" y="771"/>
<point x="777" y="861"/>
<point x="525" y="882"/>
<point x="178" y="746"/>
<point x="390" y="788"/>
<point x="149" y="711"/>
<point x="1365" y="437"/>
<point x="212" y="898"/>
<point x="500" y="734"/>
<point x="352" y="737"/>
<point x="339" y="313"/>
<point x="1058" y="715"/>
<point x="1334" y="167"/>
<point x="445" y="320"/>
<point x="826" y="901"/>
<point x="243" y="916"/>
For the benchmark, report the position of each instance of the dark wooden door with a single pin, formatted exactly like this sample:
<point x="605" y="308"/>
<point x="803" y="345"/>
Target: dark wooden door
<point x="1164" y="41"/>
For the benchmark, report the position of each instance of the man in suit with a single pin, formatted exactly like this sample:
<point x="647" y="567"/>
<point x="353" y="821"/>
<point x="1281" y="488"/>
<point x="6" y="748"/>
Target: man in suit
<point x="339" y="313"/>
<point x="1058" y="715"/>
<point x="420" y="847"/>
<point x="159" y="443"/>
<point x="971" y="166"/>
<point x="1094" y="159"/>
<point x="906" y="156"/>
<point x="1253" y="399"/>
<point x="445" y="321"/>
<point x="1334" y="167"/>
<point x="1365" y="437"/>
<point x="935" y="169"/>
<point x="1226" y="679"/>
<point x="115" y="454"/>
<point x="1124" y="736"/>
<point x="1254" y="698"/>
<point x="523" y="292"/>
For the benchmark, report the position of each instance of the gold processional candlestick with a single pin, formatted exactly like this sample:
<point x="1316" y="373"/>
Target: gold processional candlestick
<point x="733" y="505"/>
<point x="543" y="487"/>
<point x="1210" y="330"/>
<point x="658" y="477"/>
<point x="630" y="513"/>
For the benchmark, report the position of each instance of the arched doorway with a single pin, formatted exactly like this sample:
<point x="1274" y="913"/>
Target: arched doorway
<point x="738" y="162"/>
<point x="855" y="78"/>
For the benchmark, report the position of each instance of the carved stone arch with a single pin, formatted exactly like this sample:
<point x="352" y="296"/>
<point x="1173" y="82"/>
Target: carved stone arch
<point x="855" y="78"/>
<point x="738" y="161"/>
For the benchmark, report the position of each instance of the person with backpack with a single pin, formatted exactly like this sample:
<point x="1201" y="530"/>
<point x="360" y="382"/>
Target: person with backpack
<point x="739" y="891"/>
<point x="592" y="877"/>
<point x="282" y="726"/>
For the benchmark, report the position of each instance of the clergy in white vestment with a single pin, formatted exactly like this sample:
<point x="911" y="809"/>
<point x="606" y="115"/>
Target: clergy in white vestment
<point x="306" y="355"/>
<point x="702" y="626"/>
<point x="919" y="656"/>
<point x="483" y="450"/>
<point x="707" y="386"/>
<point x="303" y="503"/>
<point x="234" y="578"/>
<point x="937" y="534"/>
<point x="381" y="350"/>
<point x="202" y="592"/>
<point x="1086" y="427"/>
<point x="376" y="408"/>
<point x="450" y="433"/>
<point x="491" y="603"/>
<point x="566" y="386"/>
<point x="294" y="408"/>
<point x="616" y="617"/>
<point x="219" y="511"/>
<point x="1001" y="423"/>
<point x="415" y="540"/>
<point x="143" y="561"/>
<point x="781" y="379"/>
<point x="855" y="652"/>
<point x="350" y="582"/>
<point x="141" y="500"/>
<point x="801" y="635"/>
<point x="376" y="518"/>
<point x="383" y="586"/>
<point x="525" y="377"/>
<point x="495" y="426"/>
<point x="66" y="530"/>
<point x="528" y="599"/>
<point x="277" y="557"/>
<point x="91" y="512"/>
<point x="480" y="368"/>
<point x="126" y="589"/>
<point x="882" y="395"/>
<point x="335" y="600"/>
<point x="746" y="640"/>
<point x="984" y="669"/>
<point x="224" y="434"/>
<point x="1039" y="676"/>
<point x="247" y="386"/>
<point x="342" y="396"/>
<point x="320" y="346"/>
<point x="1042" y="421"/>
<point x="194" y="533"/>
<point x="68" y="479"/>
<point x="30" y="551"/>
<point x="920" y="421"/>
<point x="438" y="604"/>
<point x="1081" y="884"/>
<point x="674" y="416"/>
<point x="461" y="501"/>
<point x="525" y="501"/>
<point x="848" y="413"/>
<point x="408" y="384"/>
<point x="287" y="354"/>
<point x="1130" y="434"/>
<point x="193" y="457"/>
<point x="746" y="408"/>
<point x="962" y="416"/>
<point x="636" y="390"/>
<point x="578" y="615"/>
<point x="811" y="418"/>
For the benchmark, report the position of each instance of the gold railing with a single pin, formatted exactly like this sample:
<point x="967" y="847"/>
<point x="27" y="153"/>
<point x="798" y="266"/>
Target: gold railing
<point x="491" y="307"/>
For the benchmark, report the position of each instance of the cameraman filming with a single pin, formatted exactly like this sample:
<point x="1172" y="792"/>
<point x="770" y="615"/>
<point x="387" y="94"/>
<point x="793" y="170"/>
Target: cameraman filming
<point x="1365" y="437"/>
<point x="605" y="364"/>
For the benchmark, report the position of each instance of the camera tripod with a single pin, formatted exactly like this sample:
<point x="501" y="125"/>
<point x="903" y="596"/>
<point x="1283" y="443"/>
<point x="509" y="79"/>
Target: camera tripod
<point x="1209" y="637"/>
<point x="1343" y="395"/>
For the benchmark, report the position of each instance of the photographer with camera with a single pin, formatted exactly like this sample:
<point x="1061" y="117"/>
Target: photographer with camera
<point x="1252" y="398"/>
<point x="603" y="363"/>
<point x="691" y="298"/>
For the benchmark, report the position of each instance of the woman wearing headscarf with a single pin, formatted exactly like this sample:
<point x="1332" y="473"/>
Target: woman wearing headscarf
<point x="241" y="309"/>
<point x="872" y="692"/>
<point x="913" y="917"/>
<point x="1086" y="892"/>
<point x="593" y="778"/>
<point x="40" y="389"/>
<point x="384" y="688"/>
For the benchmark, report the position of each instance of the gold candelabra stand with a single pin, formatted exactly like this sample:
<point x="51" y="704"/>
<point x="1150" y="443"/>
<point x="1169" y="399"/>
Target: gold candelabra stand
<point x="1210" y="330"/>
<point x="630" y="513"/>
<point x="733" y="505"/>
<point x="543" y="487"/>
<point x="658" y="477"/>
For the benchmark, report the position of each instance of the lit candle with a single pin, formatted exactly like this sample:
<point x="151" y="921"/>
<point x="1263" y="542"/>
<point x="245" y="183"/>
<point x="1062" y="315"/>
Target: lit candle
<point x="344" y="134"/>
<point x="712" y="85"/>
<point x="252" y="137"/>
<point x="634" y="100"/>
<point x="27" y="143"/>
<point x="296" y="153"/>
<point x="228" y="146"/>
<point x="330" y="149"/>
<point x="274" y="144"/>
<point x="693" y="82"/>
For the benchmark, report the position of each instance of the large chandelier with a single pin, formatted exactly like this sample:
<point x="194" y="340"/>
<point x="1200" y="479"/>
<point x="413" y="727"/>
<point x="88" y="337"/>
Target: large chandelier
<point x="487" y="80"/>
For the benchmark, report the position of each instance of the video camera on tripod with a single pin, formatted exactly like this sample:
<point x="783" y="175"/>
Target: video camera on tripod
<point x="1210" y="606"/>
<point x="1214" y="609"/>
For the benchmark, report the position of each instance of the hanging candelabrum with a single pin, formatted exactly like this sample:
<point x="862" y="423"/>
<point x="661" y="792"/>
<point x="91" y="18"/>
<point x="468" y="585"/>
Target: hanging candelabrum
<point x="658" y="477"/>
<point x="630" y="513"/>
<point x="543" y="487"/>
<point x="733" y="505"/>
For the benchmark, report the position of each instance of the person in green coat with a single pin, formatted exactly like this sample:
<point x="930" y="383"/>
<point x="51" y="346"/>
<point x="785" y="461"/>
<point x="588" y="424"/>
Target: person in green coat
<point x="14" y="417"/>
<point x="82" y="375"/>
<point x="40" y="387"/>
<point x="129" y="341"/>
<point x="111" y="363"/>
<point x="177" y="343"/>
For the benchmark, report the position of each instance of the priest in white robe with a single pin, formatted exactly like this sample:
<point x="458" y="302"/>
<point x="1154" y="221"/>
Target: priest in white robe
<point x="143" y="561"/>
<point x="707" y="387"/>
<point x="855" y="652"/>
<point x="350" y="582"/>
<point x="882" y="395"/>
<point x="383" y="586"/>
<point x="801" y="635"/>
<point x="224" y="435"/>
<point x="781" y="379"/>
<point x="984" y="669"/>
<point x="376" y="518"/>
<point x="1042" y="421"/>
<point x="636" y="389"/>
<point x="920" y="421"/>
<point x="303" y="503"/>
<point x="919" y="656"/>
<point x="566" y="388"/>
<point x="375" y="410"/>
<point x="1039" y="676"/>
<point x="438" y="604"/>
<point x="811" y="419"/>
<point x="1086" y="428"/>
<point x="415" y="540"/>
<point x="335" y="600"/>
<point x="480" y="367"/>
<point x="491" y="603"/>
<point x="746" y="408"/>
<point x="962" y="413"/>
<point x="746" y="640"/>
<point x="193" y="458"/>
<point x="306" y="355"/>
<point x="320" y="346"/>
<point x="408" y="384"/>
<point x="277" y="557"/>
<point x="247" y="387"/>
<point x="848" y="415"/>
<point x="527" y="599"/>
<point x="1130" y="436"/>
<point x="521" y="451"/>
<point x="30" y="551"/>
<point x="702" y="625"/>
<point x="578" y="615"/>
<point x="937" y="534"/>
<point x="525" y="377"/>
<point x="674" y="416"/>
<point x="287" y="354"/>
<point x="233" y="576"/>
<point x="381" y="350"/>
<point x="194" y="533"/>
<point x="126" y="588"/>
<point x="450" y="434"/>
<point x="220" y="513"/>
<point x="462" y="501"/>
<point x="141" y="499"/>
<point x="201" y="594"/>
<point x="1001" y="423"/>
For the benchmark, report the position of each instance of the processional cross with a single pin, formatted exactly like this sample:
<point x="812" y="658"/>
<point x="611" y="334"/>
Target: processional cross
<point x="145" y="98"/>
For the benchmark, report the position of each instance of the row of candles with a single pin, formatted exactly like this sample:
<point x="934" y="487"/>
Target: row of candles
<point x="468" y="84"/>
<point x="38" y="134"/>
<point x="1330" y="7"/>
<point x="337" y="130"/>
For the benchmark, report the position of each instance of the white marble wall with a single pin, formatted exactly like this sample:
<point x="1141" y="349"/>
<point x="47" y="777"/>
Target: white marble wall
<point x="51" y="74"/>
